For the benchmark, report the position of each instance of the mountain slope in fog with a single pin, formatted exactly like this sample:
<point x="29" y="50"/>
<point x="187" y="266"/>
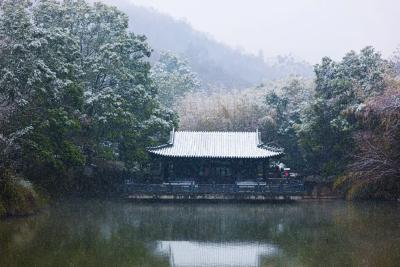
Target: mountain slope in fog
<point x="217" y="64"/>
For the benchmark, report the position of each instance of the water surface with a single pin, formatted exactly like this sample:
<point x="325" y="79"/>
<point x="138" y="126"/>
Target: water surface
<point x="95" y="233"/>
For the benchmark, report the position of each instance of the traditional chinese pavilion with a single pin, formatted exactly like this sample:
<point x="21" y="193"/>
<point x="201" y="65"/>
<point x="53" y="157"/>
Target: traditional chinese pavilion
<point x="213" y="157"/>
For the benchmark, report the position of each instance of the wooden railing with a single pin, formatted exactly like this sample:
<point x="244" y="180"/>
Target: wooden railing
<point x="293" y="188"/>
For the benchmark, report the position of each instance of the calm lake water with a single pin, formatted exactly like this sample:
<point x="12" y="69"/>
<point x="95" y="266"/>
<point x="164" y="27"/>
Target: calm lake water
<point x="93" y="233"/>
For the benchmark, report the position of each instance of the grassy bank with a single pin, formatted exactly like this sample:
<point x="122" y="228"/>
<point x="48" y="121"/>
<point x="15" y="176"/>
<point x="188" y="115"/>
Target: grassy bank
<point x="18" y="197"/>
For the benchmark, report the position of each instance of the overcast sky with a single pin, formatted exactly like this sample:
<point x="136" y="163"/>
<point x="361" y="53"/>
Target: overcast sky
<point x="309" y="29"/>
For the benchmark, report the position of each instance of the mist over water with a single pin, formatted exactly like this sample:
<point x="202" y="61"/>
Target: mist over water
<point x="93" y="233"/>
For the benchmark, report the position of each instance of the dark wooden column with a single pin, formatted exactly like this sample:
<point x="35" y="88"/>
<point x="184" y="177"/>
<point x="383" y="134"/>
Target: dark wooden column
<point x="165" y="169"/>
<point x="265" y="164"/>
<point x="253" y="170"/>
<point x="161" y="162"/>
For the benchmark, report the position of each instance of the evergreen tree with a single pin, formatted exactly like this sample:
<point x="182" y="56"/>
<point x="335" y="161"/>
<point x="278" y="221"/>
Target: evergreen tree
<point x="79" y="81"/>
<point x="285" y="108"/>
<point x="328" y="123"/>
<point x="174" y="78"/>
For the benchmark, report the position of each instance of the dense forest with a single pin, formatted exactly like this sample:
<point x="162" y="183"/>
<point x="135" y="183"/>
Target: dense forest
<point x="81" y="98"/>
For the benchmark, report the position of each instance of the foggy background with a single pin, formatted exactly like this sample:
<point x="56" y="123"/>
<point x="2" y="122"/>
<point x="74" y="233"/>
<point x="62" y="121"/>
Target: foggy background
<point x="307" y="29"/>
<point x="240" y="44"/>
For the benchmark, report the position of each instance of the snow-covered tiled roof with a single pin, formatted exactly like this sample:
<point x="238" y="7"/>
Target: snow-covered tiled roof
<point x="215" y="145"/>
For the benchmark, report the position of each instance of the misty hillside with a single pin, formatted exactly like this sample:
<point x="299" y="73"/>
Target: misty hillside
<point x="217" y="65"/>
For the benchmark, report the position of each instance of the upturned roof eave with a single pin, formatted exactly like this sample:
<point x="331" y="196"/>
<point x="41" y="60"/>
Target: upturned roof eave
<point x="280" y="154"/>
<point x="250" y="146"/>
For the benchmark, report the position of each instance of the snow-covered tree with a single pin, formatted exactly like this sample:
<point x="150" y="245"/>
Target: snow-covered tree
<point x="173" y="78"/>
<point x="222" y="111"/>
<point x="285" y="106"/>
<point x="75" y="76"/>
<point x="328" y="122"/>
<point x="375" y="168"/>
<point x="396" y="61"/>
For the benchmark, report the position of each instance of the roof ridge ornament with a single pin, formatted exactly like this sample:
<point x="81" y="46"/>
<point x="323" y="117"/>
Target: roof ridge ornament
<point x="172" y="136"/>
<point x="259" y="142"/>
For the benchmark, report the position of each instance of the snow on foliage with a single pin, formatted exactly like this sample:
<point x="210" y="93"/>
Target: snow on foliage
<point x="73" y="74"/>
<point x="173" y="77"/>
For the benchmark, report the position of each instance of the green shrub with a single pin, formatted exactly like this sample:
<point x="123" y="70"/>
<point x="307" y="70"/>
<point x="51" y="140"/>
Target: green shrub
<point x="18" y="196"/>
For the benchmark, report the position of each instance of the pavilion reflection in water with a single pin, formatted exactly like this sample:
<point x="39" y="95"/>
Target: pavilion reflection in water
<point x="206" y="254"/>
